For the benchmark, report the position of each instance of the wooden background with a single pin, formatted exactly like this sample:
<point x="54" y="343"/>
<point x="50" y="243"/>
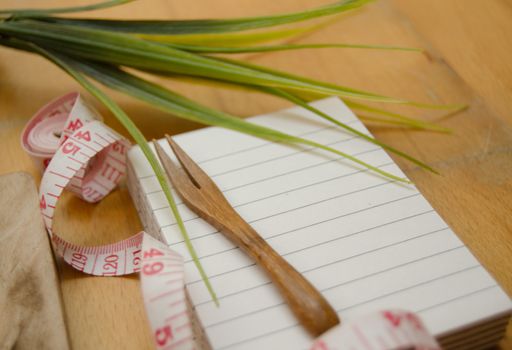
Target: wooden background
<point x="468" y="60"/>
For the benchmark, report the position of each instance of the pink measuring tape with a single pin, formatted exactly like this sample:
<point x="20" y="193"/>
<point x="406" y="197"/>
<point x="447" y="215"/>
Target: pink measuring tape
<point x="77" y="152"/>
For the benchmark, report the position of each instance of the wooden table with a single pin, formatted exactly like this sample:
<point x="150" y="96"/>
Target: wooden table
<point x="469" y="50"/>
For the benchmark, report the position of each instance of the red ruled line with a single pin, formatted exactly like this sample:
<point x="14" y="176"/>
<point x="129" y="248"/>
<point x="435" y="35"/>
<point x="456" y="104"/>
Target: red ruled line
<point x="53" y="195"/>
<point x="118" y="246"/>
<point x="72" y="169"/>
<point x="48" y="216"/>
<point x="176" y="255"/>
<point x="61" y="175"/>
<point x="166" y="294"/>
<point x="101" y="137"/>
<point x="76" y="160"/>
<point x="125" y="253"/>
<point x="100" y="144"/>
<point x="173" y="304"/>
<point x="85" y="155"/>
<point x="101" y="185"/>
<point x="117" y="160"/>
<point x="85" y="145"/>
<point x="114" y="138"/>
<point x="94" y="264"/>
<point x="176" y="316"/>
<point x="174" y="281"/>
<point x="179" y="342"/>
<point x="361" y="337"/>
<point x="183" y="327"/>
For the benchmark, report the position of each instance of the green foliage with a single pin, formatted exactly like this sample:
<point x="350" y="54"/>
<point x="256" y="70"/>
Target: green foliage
<point x="102" y="49"/>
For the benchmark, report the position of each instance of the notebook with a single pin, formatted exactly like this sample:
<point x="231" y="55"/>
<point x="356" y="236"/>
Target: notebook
<point x="365" y="242"/>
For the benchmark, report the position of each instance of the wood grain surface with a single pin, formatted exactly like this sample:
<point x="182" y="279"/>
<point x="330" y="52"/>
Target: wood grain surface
<point x="469" y="50"/>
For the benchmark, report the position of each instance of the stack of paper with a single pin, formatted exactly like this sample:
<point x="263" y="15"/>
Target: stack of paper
<point x="366" y="243"/>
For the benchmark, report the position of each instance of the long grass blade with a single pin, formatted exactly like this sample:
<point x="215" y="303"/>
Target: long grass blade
<point x="285" y="47"/>
<point x="318" y="93"/>
<point x="141" y="141"/>
<point x="300" y="102"/>
<point x="213" y="25"/>
<point x="399" y="124"/>
<point x="234" y="39"/>
<point x="38" y="12"/>
<point x="130" y="84"/>
<point x="387" y="117"/>
<point x="180" y="106"/>
<point x="122" y="49"/>
<point x="240" y="39"/>
<point x="402" y="119"/>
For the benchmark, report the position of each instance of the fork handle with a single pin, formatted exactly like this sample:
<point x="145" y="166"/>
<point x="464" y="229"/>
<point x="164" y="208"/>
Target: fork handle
<point x="306" y="302"/>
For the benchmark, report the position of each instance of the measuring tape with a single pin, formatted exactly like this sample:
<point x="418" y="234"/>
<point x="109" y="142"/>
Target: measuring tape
<point x="390" y="329"/>
<point x="77" y="152"/>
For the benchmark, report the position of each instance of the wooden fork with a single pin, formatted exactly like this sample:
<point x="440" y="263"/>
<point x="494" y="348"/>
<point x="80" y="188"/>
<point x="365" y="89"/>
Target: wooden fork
<point x="201" y="195"/>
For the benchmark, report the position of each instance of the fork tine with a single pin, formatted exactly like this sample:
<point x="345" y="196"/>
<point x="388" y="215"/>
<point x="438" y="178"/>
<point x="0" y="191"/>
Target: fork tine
<point x="196" y="174"/>
<point x="177" y="176"/>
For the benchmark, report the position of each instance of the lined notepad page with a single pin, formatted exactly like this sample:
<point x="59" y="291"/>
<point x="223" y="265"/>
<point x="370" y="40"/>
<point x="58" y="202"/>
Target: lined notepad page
<point x="366" y="243"/>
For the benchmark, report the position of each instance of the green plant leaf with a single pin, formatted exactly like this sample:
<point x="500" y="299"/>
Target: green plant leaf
<point x="285" y="47"/>
<point x="122" y="49"/>
<point x="180" y="106"/>
<point x="237" y="39"/>
<point x="303" y="103"/>
<point x="387" y="117"/>
<point x="99" y="49"/>
<point x="36" y="12"/>
<point x="300" y="102"/>
<point x="211" y="25"/>
<point x="404" y="122"/>
<point x="62" y="62"/>
<point x="318" y="93"/>
<point x="402" y="119"/>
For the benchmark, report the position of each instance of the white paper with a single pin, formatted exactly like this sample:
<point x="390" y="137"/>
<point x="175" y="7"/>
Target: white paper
<point x="365" y="242"/>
